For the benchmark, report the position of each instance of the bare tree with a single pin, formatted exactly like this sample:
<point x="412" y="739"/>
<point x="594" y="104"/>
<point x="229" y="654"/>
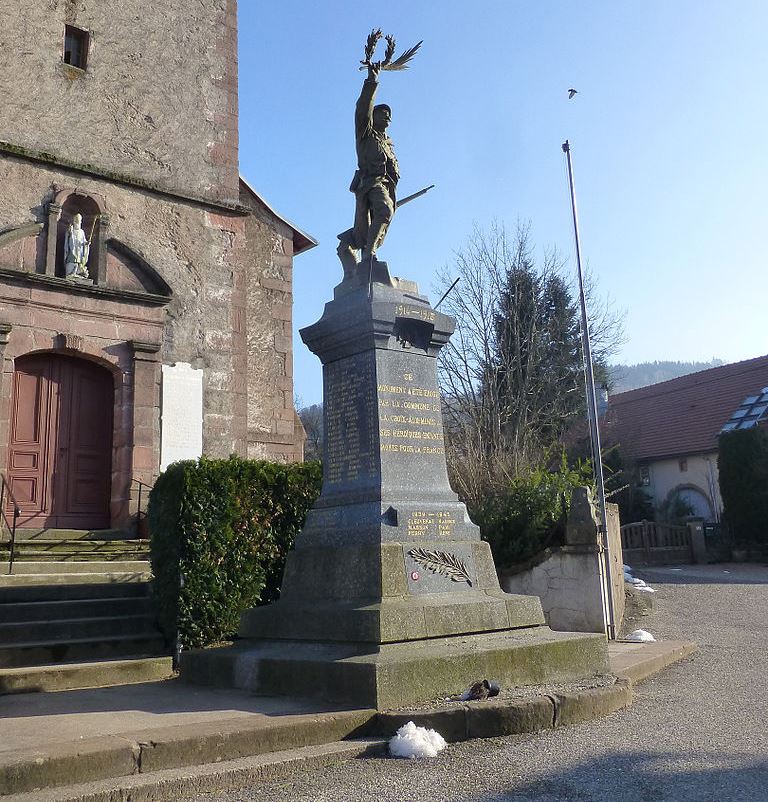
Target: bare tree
<point x="312" y="420"/>
<point x="512" y="374"/>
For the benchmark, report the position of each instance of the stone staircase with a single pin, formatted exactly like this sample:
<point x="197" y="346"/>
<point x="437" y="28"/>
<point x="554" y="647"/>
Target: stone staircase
<point x="76" y="612"/>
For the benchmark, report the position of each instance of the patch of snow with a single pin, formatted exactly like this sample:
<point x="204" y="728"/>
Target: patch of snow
<point x="640" y="636"/>
<point x="644" y="589"/>
<point x="412" y="741"/>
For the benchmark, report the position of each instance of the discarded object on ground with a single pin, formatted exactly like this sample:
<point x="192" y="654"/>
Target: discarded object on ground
<point x="640" y="636"/>
<point x="413" y="741"/>
<point x="482" y="689"/>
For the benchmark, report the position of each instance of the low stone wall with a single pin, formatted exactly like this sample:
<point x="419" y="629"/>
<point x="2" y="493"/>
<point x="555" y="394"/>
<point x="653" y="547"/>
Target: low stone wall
<point x="568" y="581"/>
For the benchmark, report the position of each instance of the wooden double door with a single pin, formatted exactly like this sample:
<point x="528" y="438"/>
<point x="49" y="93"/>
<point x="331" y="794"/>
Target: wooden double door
<point x="60" y="451"/>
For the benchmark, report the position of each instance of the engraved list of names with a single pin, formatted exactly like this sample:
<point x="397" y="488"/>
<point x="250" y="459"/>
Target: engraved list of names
<point x="350" y="410"/>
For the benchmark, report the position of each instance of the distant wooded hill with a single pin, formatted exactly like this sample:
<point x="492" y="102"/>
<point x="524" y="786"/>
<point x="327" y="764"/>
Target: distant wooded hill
<point x="630" y="377"/>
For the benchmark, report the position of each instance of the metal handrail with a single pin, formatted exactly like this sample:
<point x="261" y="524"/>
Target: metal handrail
<point x="5" y="488"/>
<point x="141" y="514"/>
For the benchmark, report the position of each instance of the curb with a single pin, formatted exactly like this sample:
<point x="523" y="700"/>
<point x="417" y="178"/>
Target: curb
<point x="496" y="718"/>
<point x="118" y="757"/>
<point x="172" y="784"/>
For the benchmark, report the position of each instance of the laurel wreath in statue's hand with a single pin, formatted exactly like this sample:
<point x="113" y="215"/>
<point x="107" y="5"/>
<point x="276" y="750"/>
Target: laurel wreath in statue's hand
<point x="400" y="63"/>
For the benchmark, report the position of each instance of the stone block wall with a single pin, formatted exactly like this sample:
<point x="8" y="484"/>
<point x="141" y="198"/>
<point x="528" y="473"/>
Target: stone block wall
<point x="229" y="275"/>
<point x="157" y="101"/>
<point x="568" y="579"/>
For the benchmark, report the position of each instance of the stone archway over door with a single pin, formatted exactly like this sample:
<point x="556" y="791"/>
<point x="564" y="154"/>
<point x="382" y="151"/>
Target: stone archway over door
<point x="60" y="456"/>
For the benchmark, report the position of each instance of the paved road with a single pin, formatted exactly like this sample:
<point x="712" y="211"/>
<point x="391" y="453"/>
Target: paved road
<point x="698" y="731"/>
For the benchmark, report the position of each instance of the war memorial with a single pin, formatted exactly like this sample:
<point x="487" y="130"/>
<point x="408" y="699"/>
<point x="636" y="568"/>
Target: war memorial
<point x="390" y="597"/>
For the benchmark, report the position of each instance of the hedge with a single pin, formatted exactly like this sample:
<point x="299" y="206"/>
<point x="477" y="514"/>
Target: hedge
<point x="226" y="527"/>
<point x="529" y="513"/>
<point x="742" y="464"/>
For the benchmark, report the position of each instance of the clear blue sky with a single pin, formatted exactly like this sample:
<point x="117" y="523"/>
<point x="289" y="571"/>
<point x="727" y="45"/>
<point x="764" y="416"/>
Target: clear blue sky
<point x="668" y="137"/>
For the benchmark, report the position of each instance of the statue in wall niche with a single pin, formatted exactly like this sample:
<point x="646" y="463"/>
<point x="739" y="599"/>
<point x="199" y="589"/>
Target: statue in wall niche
<point x="77" y="249"/>
<point x="377" y="174"/>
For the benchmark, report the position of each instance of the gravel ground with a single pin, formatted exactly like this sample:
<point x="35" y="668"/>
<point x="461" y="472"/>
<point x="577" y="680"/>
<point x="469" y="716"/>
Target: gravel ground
<point x="695" y="732"/>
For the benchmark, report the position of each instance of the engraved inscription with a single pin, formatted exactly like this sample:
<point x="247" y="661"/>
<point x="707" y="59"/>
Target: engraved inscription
<point x="422" y="523"/>
<point x="409" y="417"/>
<point x="350" y="435"/>
<point x="417" y="312"/>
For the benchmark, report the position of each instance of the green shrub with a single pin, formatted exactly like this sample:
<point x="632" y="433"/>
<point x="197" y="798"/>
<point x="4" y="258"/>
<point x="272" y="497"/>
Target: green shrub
<point x="743" y="467"/>
<point x="529" y="513"/>
<point x="226" y="526"/>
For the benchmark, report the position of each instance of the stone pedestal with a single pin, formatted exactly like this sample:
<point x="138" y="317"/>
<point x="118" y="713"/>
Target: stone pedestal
<point x="390" y="596"/>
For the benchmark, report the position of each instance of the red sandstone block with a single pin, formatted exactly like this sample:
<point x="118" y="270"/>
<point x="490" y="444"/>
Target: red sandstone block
<point x="276" y="284"/>
<point x="288" y="247"/>
<point x="225" y="222"/>
<point x="144" y="458"/>
<point x="9" y="293"/>
<point x="282" y="344"/>
<point x="281" y="312"/>
<point x="145" y="393"/>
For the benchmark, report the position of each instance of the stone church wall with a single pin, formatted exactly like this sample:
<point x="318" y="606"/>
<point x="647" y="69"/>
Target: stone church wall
<point x="157" y="102"/>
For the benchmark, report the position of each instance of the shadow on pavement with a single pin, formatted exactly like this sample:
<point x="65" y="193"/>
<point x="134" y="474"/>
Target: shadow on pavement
<point x="645" y="777"/>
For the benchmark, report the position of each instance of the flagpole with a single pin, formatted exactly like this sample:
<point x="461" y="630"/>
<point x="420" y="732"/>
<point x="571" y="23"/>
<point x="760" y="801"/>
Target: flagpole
<point x="594" y="428"/>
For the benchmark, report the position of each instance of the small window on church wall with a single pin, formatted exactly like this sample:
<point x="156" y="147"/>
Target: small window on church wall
<point x="75" y="47"/>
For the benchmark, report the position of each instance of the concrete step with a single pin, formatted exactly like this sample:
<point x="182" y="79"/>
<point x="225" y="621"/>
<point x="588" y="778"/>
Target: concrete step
<point x="192" y="782"/>
<point x="104" y="577"/>
<point x="71" y="534"/>
<point x="18" y="634"/>
<point x="25" y="555"/>
<point x="75" y="590"/>
<point x="78" y="567"/>
<point x="13" y="612"/>
<point x="101" y="648"/>
<point x="67" y="676"/>
<point x="75" y="546"/>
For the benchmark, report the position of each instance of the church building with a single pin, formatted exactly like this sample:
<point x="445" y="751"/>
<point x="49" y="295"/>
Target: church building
<point x="145" y="287"/>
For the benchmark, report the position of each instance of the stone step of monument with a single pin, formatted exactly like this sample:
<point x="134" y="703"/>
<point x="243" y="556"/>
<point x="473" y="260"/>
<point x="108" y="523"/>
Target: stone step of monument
<point x="99" y="674"/>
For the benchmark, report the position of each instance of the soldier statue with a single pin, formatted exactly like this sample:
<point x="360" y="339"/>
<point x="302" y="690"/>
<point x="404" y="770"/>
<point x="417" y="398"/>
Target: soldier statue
<point x="377" y="174"/>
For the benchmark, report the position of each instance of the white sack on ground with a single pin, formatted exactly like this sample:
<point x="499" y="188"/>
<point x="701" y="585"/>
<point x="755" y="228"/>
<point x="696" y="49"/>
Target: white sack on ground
<point x="640" y="636"/>
<point x="413" y="741"/>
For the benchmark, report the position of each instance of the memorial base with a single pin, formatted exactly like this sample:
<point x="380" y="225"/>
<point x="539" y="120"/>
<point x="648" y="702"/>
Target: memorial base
<point x="390" y="597"/>
<point x="398" y="674"/>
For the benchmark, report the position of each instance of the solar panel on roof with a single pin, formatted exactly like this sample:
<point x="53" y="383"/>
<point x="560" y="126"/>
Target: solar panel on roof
<point x="751" y="411"/>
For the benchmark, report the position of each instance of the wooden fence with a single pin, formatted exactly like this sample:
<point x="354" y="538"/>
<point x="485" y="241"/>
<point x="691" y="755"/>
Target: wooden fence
<point x="649" y="543"/>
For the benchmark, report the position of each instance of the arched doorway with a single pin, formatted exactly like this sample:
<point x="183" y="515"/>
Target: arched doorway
<point x="60" y="453"/>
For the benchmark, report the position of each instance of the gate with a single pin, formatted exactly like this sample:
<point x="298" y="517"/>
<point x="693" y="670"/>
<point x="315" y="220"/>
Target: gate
<point x="649" y="543"/>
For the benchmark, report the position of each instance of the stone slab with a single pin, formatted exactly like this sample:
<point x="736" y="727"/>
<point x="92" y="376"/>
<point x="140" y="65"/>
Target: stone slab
<point x="84" y="675"/>
<point x="396" y="674"/>
<point x="638" y="661"/>
<point x="181" y="414"/>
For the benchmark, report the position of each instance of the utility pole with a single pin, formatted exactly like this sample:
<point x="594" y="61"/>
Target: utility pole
<point x="594" y="428"/>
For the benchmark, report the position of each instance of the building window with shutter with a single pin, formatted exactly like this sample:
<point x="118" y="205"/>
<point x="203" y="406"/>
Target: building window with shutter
<point x="76" y="47"/>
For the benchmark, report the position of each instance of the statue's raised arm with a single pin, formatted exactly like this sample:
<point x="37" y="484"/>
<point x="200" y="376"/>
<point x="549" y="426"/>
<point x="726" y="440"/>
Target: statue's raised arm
<point x="377" y="174"/>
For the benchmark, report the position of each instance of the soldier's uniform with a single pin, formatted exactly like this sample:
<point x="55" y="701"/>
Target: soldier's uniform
<point x="374" y="183"/>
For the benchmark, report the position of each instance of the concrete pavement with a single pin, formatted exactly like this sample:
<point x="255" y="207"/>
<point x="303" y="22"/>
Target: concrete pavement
<point x="144" y="738"/>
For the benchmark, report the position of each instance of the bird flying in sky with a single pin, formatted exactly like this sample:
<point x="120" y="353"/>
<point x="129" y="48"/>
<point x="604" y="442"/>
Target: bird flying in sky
<point x="571" y="93"/>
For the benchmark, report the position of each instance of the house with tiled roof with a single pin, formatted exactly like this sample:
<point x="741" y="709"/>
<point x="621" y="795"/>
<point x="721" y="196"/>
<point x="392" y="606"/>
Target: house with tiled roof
<point x="670" y="430"/>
